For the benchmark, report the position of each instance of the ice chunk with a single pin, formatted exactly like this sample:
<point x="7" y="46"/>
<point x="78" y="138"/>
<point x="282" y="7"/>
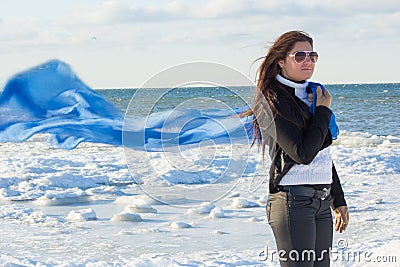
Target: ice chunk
<point x="262" y="201"/>
<point x="217" y="213"/>
<point x="126" y="217"/>
<point x="64" y="197"/>
<point x="234" y="194"/>
<point x="375" y="201"/>
<point x="255" y="219"/>
<point x="241" y="202"/>
<point x="179" y="225"/>
<point x="28" y="216"/>
<point x="137" y="200"/>
<point x="203" y="208"/>
<point x="143" y="208"/>
<point x="82" y="215"/>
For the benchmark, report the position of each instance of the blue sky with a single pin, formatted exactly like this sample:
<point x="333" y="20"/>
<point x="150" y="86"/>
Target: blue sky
<point x="113" y="44"/>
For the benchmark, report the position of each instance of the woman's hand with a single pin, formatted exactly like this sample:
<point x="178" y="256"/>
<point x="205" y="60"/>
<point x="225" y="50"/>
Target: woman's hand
<point x="341" y="218"/>
<point x="323" y="99"/>
<point x="310" y="97"/>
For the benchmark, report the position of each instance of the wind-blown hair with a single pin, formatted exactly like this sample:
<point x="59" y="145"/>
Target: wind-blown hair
<point x="265" y="94"/>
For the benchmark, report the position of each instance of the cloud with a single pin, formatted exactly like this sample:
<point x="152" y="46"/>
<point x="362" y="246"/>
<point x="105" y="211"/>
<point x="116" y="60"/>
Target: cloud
<point x="220" y="9"/>
<point x="390" y="24"/>
<point x="291" y="8"/>
<point x="117" y="12"/>
<point x="240" y="22"/>
<point x="330" y="8"/>
<point x="18" y="30"/>
<point x="351" y="17"/>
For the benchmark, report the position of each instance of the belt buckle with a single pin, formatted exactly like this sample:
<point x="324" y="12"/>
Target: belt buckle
<point x="325" y="193"/>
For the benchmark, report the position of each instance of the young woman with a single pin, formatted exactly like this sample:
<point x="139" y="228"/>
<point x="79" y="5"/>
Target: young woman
<point x="304" y="184"/>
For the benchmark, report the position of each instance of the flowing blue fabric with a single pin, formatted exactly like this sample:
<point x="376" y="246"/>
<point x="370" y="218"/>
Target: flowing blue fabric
<point x="333" y="127"/>
<point x="184" y="127"/>
<point x="51" y="99"/>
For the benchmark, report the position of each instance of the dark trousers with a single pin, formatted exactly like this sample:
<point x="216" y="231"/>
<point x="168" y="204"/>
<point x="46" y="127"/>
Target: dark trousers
<point x="303" y="229"/>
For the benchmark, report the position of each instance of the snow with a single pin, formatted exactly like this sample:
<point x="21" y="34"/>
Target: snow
<point x="180" y="225"/>
<point x="140" y="209"/>
<point x="86" y="207"/>
<point x="82" y="215"/>
<point x="201" y="209"/>
<point x="22" y="214"/>
<point x="217" y="212"/>
<point x="241" y="202"/>
<point x="126" y="217"/>
<point x="63" y="197"/>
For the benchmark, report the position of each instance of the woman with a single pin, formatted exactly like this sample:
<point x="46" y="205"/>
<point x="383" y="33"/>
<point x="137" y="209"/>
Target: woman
<point x="303" y="180"/>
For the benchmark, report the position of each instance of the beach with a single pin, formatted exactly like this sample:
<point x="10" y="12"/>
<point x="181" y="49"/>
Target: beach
<point x="88" y="207"/>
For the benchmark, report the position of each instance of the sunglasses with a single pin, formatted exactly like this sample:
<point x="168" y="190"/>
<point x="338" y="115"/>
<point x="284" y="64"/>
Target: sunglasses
<point x="301" y="56"/>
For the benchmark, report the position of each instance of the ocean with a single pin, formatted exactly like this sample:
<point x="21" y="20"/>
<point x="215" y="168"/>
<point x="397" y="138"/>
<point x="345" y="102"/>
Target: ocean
<point x="367" y="108"/>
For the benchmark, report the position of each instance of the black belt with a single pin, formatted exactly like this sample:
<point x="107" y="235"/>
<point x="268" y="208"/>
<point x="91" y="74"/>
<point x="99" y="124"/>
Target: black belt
<point x="298" y="190"/>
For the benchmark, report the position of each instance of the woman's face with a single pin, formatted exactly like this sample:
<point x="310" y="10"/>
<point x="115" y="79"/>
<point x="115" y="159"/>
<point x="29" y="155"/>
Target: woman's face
<point x="297" y="71"/>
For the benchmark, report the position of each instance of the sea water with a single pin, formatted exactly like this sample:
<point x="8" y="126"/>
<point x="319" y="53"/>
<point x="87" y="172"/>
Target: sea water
<point x="366" y="108"/>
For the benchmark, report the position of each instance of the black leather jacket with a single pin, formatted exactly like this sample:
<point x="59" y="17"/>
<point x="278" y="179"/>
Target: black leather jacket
<point x="296" y="137"/>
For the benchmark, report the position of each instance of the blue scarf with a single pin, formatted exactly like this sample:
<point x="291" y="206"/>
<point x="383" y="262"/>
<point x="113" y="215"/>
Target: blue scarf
<point x="300" y="92"/>
<point x="333" y="127"/>
<point x="50" y="98"/>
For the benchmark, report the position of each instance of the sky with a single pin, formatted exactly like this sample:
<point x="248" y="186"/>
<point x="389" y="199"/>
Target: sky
<point x="123" y="43"/>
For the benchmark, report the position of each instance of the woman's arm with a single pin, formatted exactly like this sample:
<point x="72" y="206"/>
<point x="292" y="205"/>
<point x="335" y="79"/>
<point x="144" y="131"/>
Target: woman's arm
<point x="339" y="204"/>
<point x="336" y="190"/>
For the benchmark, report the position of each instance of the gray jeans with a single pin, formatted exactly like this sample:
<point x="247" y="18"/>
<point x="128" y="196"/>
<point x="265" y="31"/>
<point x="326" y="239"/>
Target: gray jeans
<point x="303" y="229"/>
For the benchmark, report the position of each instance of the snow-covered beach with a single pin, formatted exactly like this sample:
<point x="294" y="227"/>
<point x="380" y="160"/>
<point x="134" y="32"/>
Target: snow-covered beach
<point x="122" y="141"/>
<point x="174" y="182"/>
<point x="82" y="207"/>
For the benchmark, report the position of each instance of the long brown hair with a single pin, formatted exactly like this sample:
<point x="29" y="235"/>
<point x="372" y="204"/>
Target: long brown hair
<point x="266" y="81"/>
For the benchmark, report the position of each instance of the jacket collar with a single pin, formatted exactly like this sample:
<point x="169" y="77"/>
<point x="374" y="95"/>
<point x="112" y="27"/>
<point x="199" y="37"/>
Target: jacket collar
<point x="299" y="88"/>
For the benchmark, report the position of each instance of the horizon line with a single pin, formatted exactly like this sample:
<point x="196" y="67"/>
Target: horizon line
<point x="205" y="86"/>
